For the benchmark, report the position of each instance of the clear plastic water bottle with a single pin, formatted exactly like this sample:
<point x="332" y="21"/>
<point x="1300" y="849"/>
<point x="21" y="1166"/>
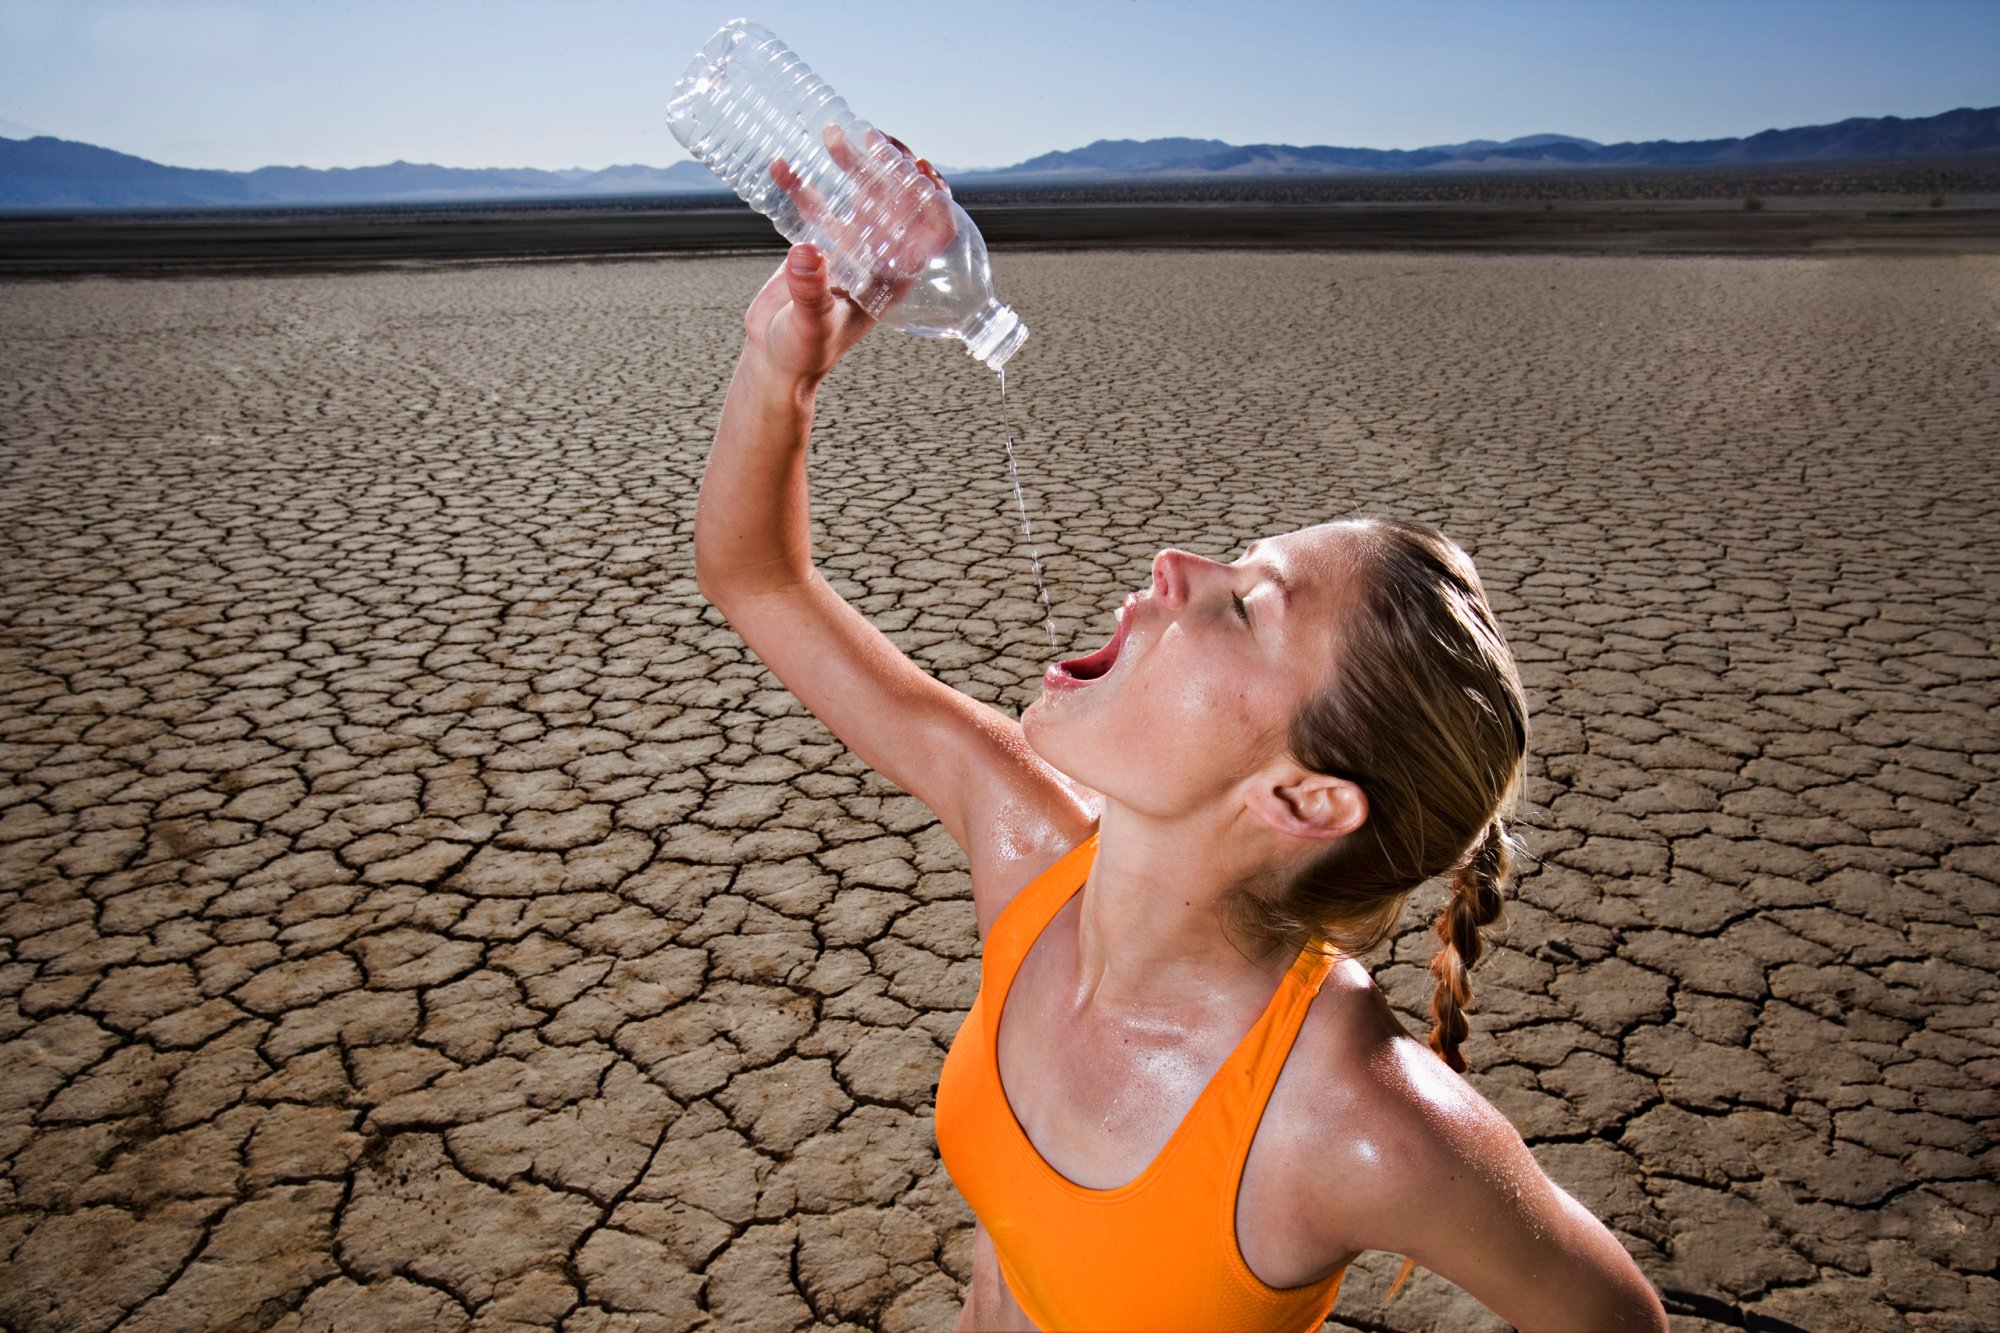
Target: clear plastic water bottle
<point x="746" y="103"/>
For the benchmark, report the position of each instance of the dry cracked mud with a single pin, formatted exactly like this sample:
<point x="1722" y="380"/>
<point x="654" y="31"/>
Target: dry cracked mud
<point x="419" y="912"/>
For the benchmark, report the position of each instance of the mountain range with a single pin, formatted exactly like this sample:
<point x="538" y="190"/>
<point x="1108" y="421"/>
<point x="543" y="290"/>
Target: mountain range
<point x="1135" y="158"/>
<point x="50" y="173"/>
<point x="45" y="172"/>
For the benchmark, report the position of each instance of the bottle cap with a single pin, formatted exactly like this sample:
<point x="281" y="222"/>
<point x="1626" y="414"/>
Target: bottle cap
<point x="996" y="335"/>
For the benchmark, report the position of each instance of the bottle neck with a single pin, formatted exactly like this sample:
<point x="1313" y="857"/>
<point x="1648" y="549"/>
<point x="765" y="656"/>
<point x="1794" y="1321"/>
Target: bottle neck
<point x="993" y="333"/>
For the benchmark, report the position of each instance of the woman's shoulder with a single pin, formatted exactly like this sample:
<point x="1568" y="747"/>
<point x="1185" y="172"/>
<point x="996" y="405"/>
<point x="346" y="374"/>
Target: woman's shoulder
<point x="1353" y="1044"/>
<point x="1019" y="830"/>
<point x="1376" y="1121"/>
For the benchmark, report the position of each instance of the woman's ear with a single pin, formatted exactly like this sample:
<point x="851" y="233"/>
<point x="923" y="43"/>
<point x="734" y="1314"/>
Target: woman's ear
<point x="1308" y="805"/>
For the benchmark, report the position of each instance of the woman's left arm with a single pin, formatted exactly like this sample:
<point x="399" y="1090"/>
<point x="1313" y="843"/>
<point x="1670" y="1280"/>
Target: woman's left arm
<point x="1536" y="1257"/>
<point x="1462" y="1195"/>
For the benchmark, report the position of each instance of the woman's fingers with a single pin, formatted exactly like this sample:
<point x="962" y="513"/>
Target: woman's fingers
<point x="930" y="172"/>
<point x="842" y="151"/>
<point x="873" y="165"/>
<point x="810" y="202"/>
<point x="879" y="146"/>
<point x="913" y="219"/>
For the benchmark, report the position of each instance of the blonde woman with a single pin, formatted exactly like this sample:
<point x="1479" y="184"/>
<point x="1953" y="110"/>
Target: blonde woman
<point x="1179" y="1102"/>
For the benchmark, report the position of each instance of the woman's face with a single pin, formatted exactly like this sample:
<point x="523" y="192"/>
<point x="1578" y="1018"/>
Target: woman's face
<point x="1199" y="684"/>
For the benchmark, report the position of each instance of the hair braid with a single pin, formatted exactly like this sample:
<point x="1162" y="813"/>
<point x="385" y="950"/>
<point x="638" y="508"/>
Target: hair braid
<point x="1475" y="904"/>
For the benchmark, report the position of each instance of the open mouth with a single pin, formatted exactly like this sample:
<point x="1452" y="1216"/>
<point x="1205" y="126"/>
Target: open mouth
<point x="1093" y="666"/>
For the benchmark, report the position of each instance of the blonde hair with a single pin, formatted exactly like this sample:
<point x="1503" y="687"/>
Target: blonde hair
<point x="1423" y="710"/>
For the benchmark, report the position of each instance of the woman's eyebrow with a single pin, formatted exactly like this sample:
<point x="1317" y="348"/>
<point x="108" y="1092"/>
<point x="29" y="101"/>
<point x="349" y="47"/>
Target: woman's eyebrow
<point x="1274" y="574"/>
<point x="1277" y="576"/>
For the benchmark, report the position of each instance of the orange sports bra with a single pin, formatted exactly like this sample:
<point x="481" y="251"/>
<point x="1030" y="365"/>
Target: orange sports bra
<point x="1158" y="1252"/>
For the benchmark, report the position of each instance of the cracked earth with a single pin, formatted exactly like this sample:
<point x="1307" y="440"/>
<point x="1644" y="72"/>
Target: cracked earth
<point x="419" y="912"/>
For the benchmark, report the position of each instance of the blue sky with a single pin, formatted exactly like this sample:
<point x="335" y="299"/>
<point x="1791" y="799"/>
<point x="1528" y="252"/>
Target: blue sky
<point x="230" y="83"/>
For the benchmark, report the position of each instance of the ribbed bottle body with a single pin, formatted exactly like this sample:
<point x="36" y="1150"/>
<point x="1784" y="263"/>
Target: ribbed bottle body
<point x="746" y="102"/>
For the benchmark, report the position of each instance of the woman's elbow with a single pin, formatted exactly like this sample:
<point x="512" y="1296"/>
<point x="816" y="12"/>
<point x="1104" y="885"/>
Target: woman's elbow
<point x="708" y="579"/>
<point x="1640" y="1314"/>
<point x="1625" y="1301"/>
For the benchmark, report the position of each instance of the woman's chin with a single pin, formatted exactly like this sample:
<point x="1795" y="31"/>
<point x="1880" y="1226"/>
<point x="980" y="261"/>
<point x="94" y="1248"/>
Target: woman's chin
<point x="1043" y="738"/>
<point x="1031" y="722"/>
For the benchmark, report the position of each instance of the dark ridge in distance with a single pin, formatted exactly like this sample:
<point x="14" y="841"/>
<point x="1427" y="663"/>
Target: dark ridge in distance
<point x="1957" y="175"/>
<point x="1830" y="208"/>
<point x="1916" y="177"/>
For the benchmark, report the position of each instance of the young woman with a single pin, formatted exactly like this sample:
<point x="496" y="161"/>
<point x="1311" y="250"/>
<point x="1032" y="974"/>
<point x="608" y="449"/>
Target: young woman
<point x="1178" y="1101"/>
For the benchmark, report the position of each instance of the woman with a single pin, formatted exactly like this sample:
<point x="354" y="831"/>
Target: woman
<point x="1198" y="1109"/>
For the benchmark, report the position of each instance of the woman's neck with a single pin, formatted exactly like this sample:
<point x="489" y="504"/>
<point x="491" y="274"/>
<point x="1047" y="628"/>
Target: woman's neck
<point x="1156" y="925"/>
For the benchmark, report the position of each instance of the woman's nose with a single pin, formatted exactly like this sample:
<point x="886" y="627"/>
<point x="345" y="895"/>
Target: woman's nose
<point x="1175" y="573"/>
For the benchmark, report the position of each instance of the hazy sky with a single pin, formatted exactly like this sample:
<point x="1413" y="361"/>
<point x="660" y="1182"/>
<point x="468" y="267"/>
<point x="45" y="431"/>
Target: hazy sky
<point x="216" y="83"/>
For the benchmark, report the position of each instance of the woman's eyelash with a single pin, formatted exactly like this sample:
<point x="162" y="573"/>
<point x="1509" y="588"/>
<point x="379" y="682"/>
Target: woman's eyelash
<point x="1242" y="611"/>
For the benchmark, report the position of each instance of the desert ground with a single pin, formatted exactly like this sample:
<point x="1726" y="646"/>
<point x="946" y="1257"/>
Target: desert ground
<point x="420" y="912"/>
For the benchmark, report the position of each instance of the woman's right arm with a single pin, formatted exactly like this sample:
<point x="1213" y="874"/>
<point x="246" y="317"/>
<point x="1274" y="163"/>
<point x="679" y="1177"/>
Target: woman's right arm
<point x="753" y="558"/>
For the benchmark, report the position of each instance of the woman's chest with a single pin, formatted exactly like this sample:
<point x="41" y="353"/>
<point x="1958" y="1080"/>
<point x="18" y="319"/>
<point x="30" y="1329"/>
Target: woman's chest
<point x="1100" y="1102"/>
<point x="1097" y="1094"/>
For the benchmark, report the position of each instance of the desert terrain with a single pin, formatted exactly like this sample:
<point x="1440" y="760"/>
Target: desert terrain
<point x="420" y="912"/>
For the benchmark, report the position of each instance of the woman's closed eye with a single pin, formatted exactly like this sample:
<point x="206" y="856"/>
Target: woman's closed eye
<point x="1242" y="611"/>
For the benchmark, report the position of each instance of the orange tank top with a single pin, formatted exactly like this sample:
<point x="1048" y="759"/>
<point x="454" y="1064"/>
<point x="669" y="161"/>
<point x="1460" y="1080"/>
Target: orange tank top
<point x="1158" y="1252"/>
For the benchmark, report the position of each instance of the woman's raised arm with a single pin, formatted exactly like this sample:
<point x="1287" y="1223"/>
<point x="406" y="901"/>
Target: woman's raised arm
<point x="753" y="558"/>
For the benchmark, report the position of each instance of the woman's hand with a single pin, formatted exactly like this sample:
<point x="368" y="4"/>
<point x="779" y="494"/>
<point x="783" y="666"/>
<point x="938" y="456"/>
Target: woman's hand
<point x="798" y="327"/>
<point x="891" y="210"/>
<point x="799" y="323"/>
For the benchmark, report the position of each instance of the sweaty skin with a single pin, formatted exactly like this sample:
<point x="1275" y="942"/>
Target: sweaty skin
<point x="1139" y="988"/>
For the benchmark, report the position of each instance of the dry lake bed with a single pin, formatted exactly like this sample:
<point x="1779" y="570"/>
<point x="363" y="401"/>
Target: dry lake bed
<point x="419" y="912"/>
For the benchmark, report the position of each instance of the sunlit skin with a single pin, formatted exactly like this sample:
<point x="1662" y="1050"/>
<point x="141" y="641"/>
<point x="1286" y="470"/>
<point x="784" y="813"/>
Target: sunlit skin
<point x="1140" y="986"/>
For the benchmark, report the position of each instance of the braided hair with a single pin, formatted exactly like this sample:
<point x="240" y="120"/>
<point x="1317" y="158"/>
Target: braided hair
<point x="1423" y="710"/>
<point x="1474" y="905"/>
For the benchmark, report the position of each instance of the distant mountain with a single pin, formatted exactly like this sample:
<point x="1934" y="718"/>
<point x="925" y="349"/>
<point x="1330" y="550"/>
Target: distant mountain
<point x="1962" y="132"/>
<point x="1124" y="158"/>
<point x="1121" y="156"/>
<point x="44" y="172"/>
<point x="55" y="173"/>
<point x="1525" y="141"/>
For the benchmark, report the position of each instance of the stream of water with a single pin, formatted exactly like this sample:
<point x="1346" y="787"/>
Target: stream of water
<point x="1027" y="531"/>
